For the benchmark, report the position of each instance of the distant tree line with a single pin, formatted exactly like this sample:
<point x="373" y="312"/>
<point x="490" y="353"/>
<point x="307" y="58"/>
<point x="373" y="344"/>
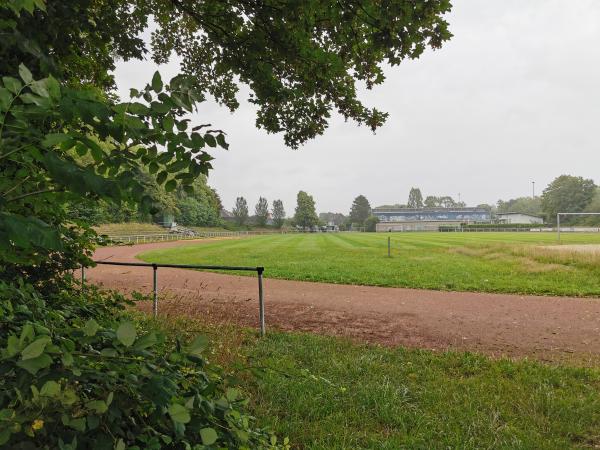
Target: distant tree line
<point x="198" y="208"/>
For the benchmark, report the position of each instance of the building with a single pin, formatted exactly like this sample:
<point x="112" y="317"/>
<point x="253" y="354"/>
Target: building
<point x="515" y="217"/>
<point x="427" y="219"/>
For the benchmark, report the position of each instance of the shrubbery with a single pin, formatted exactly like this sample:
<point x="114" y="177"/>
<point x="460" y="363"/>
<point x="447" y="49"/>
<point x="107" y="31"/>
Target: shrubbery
<point x="76" y="372"/>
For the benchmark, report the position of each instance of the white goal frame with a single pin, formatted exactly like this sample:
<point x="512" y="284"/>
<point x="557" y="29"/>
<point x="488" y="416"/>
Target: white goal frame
<point x="570" y="214"/>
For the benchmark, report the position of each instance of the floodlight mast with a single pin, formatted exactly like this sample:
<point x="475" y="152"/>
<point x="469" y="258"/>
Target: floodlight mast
<point x="570" y="214"/>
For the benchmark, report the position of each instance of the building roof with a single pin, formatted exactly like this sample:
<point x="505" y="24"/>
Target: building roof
<point x="382" y="209"/>
<point x="522" y="214"/>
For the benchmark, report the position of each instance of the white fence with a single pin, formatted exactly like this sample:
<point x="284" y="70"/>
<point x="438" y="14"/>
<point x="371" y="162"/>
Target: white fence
<point x="162" y="237"/>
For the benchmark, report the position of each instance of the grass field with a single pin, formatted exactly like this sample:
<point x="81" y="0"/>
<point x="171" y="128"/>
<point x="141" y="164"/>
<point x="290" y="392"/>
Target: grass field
<point x="485" y="262"/>
<point x="327" y="393"/>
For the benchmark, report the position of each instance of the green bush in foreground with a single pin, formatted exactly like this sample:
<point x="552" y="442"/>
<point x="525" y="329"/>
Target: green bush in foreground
<point x="76" y="373"/>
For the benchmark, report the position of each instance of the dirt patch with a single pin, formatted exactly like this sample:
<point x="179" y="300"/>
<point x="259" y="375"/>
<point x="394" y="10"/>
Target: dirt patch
<point x="577" y="248"/>
<point x="545" y="328"/>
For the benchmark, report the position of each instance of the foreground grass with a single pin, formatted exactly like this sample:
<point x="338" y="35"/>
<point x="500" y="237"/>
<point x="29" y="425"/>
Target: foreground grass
<point x="327" y="393"/>
<point x="485" y="262"/>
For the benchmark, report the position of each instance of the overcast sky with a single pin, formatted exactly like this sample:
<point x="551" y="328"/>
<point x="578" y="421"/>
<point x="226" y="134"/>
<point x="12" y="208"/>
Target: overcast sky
<point x="513" y="98"/>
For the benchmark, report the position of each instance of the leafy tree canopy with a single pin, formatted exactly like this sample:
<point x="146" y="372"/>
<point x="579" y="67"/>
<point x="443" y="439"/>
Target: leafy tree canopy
<point x="525" y="205"/>
<point x="306" y="216"/>
<point x="567" y="193"/>
<point x="278" y="213"/>
<point x="415" y="198"/>
<point x="360" y="210"/>
<point x="240" y="211"/>
<point x="261" y="211"/>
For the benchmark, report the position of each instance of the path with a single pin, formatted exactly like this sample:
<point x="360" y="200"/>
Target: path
<point x="546" y="328"/>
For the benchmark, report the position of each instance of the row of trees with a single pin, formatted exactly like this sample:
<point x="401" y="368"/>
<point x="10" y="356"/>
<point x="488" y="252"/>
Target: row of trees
<point x="198" y="208"/>
<point x="416" y="200"/>
<point x="261" y="212"/>
<point x="565" y="193"/>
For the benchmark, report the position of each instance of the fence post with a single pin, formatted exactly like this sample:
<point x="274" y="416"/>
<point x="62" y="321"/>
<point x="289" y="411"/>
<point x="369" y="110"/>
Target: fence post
<point x="261" y="301"/>
<point x="155" y="289"/>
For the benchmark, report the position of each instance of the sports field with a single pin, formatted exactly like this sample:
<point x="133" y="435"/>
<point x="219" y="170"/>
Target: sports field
<point x="486" y="262"/>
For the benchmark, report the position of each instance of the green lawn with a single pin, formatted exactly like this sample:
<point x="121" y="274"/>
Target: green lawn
<point x="486" y="262"/>
<point x="327" y="393"/>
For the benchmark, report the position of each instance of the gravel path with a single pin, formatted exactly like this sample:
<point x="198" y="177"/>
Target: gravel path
<point x="545" y="328"/>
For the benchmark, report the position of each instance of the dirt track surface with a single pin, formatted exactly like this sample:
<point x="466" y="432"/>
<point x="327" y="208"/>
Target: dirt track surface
<point x="545" y="328"/>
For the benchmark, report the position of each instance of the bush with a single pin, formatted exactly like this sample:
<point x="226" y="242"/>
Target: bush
<point x="76" y="372"/>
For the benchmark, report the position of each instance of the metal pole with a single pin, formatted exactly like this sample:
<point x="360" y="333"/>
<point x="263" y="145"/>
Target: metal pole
<point x="261" y="301"/>
<point x="389" y="248"/>
<point x="558" y="226"/>
<point x="155" y="288"/>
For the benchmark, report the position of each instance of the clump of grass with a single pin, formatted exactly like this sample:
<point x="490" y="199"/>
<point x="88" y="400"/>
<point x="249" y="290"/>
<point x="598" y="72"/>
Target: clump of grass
<point x="557" y="255"/>
<point x="329" y="393"/>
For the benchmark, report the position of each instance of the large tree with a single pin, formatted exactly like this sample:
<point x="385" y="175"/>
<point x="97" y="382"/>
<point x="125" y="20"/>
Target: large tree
<point x="567" y="193"/>
<point x="331" y="217"/>
<point x="261" y="211"/>
<point x="360" y="210"/>
<point x="278" y="213"/>
<point x="415" y="198"/>
<point x="240" y="211"/>
<point x="525" y="205"/>
<point x="306" y="216"/>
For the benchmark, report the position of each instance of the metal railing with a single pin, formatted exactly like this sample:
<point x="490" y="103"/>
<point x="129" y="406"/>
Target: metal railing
<point x="258" y="270"/>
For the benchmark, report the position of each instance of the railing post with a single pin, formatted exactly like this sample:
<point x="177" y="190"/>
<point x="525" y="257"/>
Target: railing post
<point x="155" y="290"/>
<point x="261" y="301"/>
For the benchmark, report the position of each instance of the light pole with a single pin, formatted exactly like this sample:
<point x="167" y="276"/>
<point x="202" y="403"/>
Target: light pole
<point x="533" y="189"/>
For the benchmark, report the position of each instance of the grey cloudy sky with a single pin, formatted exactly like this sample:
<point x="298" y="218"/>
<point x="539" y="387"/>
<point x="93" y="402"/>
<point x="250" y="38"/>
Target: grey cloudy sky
<point x="513" y="98"/>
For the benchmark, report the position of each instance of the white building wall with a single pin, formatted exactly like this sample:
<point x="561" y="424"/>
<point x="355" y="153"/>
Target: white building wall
<point x="519" y="218"/>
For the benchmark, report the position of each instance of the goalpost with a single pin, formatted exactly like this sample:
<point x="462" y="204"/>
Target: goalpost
<point x="570" y="214"/>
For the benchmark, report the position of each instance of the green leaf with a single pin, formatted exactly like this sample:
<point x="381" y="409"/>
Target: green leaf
<point x="28" y="232"/>
<point x="53" y="87"/>
<point x="53" y="139"/>
<point x="27" y="334"/>
<point x="126" y="334"/>
<point x="35" y="349"/>
<point x="210" y="140"/>
<point x="157" y="83"/>
<point x="6" y="414"/>
<point x="209" y="436"/>
<point x="77" y="424"/>
<point x="5" y="99"/>
<point x="39" y="88"/>
<point x="221" y="141"/>
<point x="120" y="445"/>
<point x="179" y="413"/>
<point x="98" y="406"/>
<point x="12" y="84"/>
<point x="67" y="359"/>
<point x="147" y="340"/>
<point x="91" y="328"/>
<point x="35" y="364"/>
<point x="25" y="74"/>
<point x="4" y="436"/>
<point x="168" y="123"/>
<point x="198" y="345"/>
<point x="13" y="346"/>
<point x="161" y="177"/>
<point x="171" y="185"/>
<point x="50" y="389"/>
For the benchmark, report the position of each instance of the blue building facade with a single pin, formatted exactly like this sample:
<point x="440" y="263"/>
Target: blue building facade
<point x="461" y="215"/>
